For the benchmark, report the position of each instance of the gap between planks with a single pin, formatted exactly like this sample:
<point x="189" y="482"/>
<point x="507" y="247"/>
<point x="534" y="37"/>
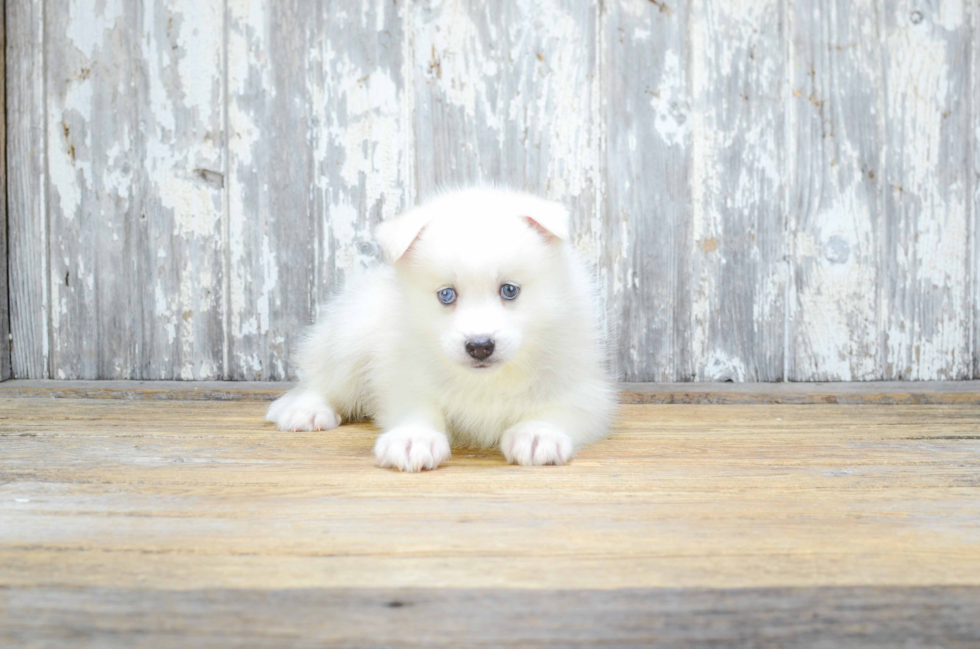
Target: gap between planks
<point x="876" y="392"/>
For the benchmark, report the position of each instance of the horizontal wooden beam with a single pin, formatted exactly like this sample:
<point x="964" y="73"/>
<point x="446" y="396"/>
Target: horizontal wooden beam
<point x="876" y="392"/>
<point x="883" y="392"/>
<point x="149" y="390"/>
<point x="879" y="616"/>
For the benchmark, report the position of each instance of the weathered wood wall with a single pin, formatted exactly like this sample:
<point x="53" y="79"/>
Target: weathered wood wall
<point x="770" y="189"/>
<point x="4" y="283"/>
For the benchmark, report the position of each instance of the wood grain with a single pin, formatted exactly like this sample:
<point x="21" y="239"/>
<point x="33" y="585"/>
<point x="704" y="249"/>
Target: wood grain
<point x="148" y="390"/>
<point x="362" y="132"/>
<point x="873" y="392"/>
<point x="182" y="191"/>
<point x="738" y="274"/>
<point x="926" y="242"/>
<point x="205" y="494"/>
<point x="975" y="186"/>
<point x="836" y="104"/>
<point x="647" y="214"/>
<point x="4" y="286"/>
<point x="883" y="617"/>
<point x="319" y="147"/>
<point x="487" y="76"/>
<point x="135" y="132"/>
<point x="854" y="393"/>
<point x="93" y="153"/>
<point x="26" y="198"/>
<point x="272" y="230"/>
<point x="768" y="190"/>
<point x="506" y="92"/>
<point x="116" y="516"/>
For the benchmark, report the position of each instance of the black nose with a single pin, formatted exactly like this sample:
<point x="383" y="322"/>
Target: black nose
<point x="479" y="348"/>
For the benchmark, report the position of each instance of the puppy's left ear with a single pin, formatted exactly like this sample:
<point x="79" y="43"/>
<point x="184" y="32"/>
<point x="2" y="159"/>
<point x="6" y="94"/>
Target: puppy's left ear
<point x="548" y="218"/>
<point x="397" y="235"/>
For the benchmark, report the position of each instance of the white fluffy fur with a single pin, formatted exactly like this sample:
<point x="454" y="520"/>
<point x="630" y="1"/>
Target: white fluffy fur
<point x="388" y="349"/>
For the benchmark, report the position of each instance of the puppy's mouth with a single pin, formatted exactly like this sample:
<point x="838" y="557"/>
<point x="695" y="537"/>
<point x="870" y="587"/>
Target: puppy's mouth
<point x="483" y="365"/>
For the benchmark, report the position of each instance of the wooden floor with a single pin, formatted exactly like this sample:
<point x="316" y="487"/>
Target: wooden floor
<point x="193" y="523"/>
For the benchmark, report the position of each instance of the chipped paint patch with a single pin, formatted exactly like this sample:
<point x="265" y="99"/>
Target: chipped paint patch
<point x="671" y="101"/>
<point x="88" y="24"/>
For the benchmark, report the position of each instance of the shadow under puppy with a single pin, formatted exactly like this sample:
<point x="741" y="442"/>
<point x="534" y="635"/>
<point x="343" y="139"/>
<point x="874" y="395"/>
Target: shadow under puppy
<point x="481" y="330"/>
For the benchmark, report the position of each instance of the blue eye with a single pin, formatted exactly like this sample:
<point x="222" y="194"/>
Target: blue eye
<point x="509" y="291"/>
<point x="447" y="295"/>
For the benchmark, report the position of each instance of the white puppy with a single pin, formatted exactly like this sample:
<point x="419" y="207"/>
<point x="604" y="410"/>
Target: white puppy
<point x="481" y="331"/>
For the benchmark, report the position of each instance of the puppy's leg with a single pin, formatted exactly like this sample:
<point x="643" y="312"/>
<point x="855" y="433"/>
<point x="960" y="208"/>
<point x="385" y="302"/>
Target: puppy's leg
<point x="415" y="442"/>
<point x="551" y="435"/>
<point x="332" y="358"/>
<point x="302" y="409"/>
<point x="536" y="442"/>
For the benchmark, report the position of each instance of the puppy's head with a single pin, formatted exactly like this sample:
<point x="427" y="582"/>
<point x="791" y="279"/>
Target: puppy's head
<point x="482" y="270"/>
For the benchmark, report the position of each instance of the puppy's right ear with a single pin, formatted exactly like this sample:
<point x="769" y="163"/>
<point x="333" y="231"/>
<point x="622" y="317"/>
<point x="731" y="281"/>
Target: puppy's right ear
<point x="397" y="235"/>
<point x="547" y="217"/>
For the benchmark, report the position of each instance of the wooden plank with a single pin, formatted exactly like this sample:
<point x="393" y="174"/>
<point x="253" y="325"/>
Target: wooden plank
<point x="272" y="236"/>
<point x="4" y="287"/>
<point x="856" y="393"/>
<point x="134" y="125"/>
<point x="319" y="151"/>
<point x="677" y="274"/>
<point x="506" y="92"/>
<point x="646" y="166"/>
<point x="363" y="146"/>
<point x="147" y="390"/>
<point x="661" y="124"/>
<point x="837" y="126"/>
<point x="975" y="187"/>
<point x="93" y="157"/>
<point x="27" y="227"/>
<point x="208" y="496"/>
<point x="737" y="246"/>
<point x="181" y="191"/>
<point x="880" y="392"/>
<point x="926" y="247"/>
<point x="758" y="617"/>
<point x="688" y="526"/>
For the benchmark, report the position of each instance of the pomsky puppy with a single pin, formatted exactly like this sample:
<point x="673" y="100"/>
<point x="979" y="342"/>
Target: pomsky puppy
<point x="481" y="330"/>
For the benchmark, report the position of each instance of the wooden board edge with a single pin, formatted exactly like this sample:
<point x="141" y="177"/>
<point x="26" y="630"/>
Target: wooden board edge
<point x="877" y="393"/>
<point x="868" y="616"/>
<point x="5" y="369"/>
<point x="146" y="390"/>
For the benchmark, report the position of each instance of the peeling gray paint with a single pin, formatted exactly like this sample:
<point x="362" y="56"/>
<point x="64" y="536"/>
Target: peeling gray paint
<point x="770" y="190"/>
<point x="836" y="136"/>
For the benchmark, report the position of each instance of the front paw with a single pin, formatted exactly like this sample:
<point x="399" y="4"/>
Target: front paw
<point x="412" y="448"/>
<point x="302" y="411"/>
<point x="533" y="443"/>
